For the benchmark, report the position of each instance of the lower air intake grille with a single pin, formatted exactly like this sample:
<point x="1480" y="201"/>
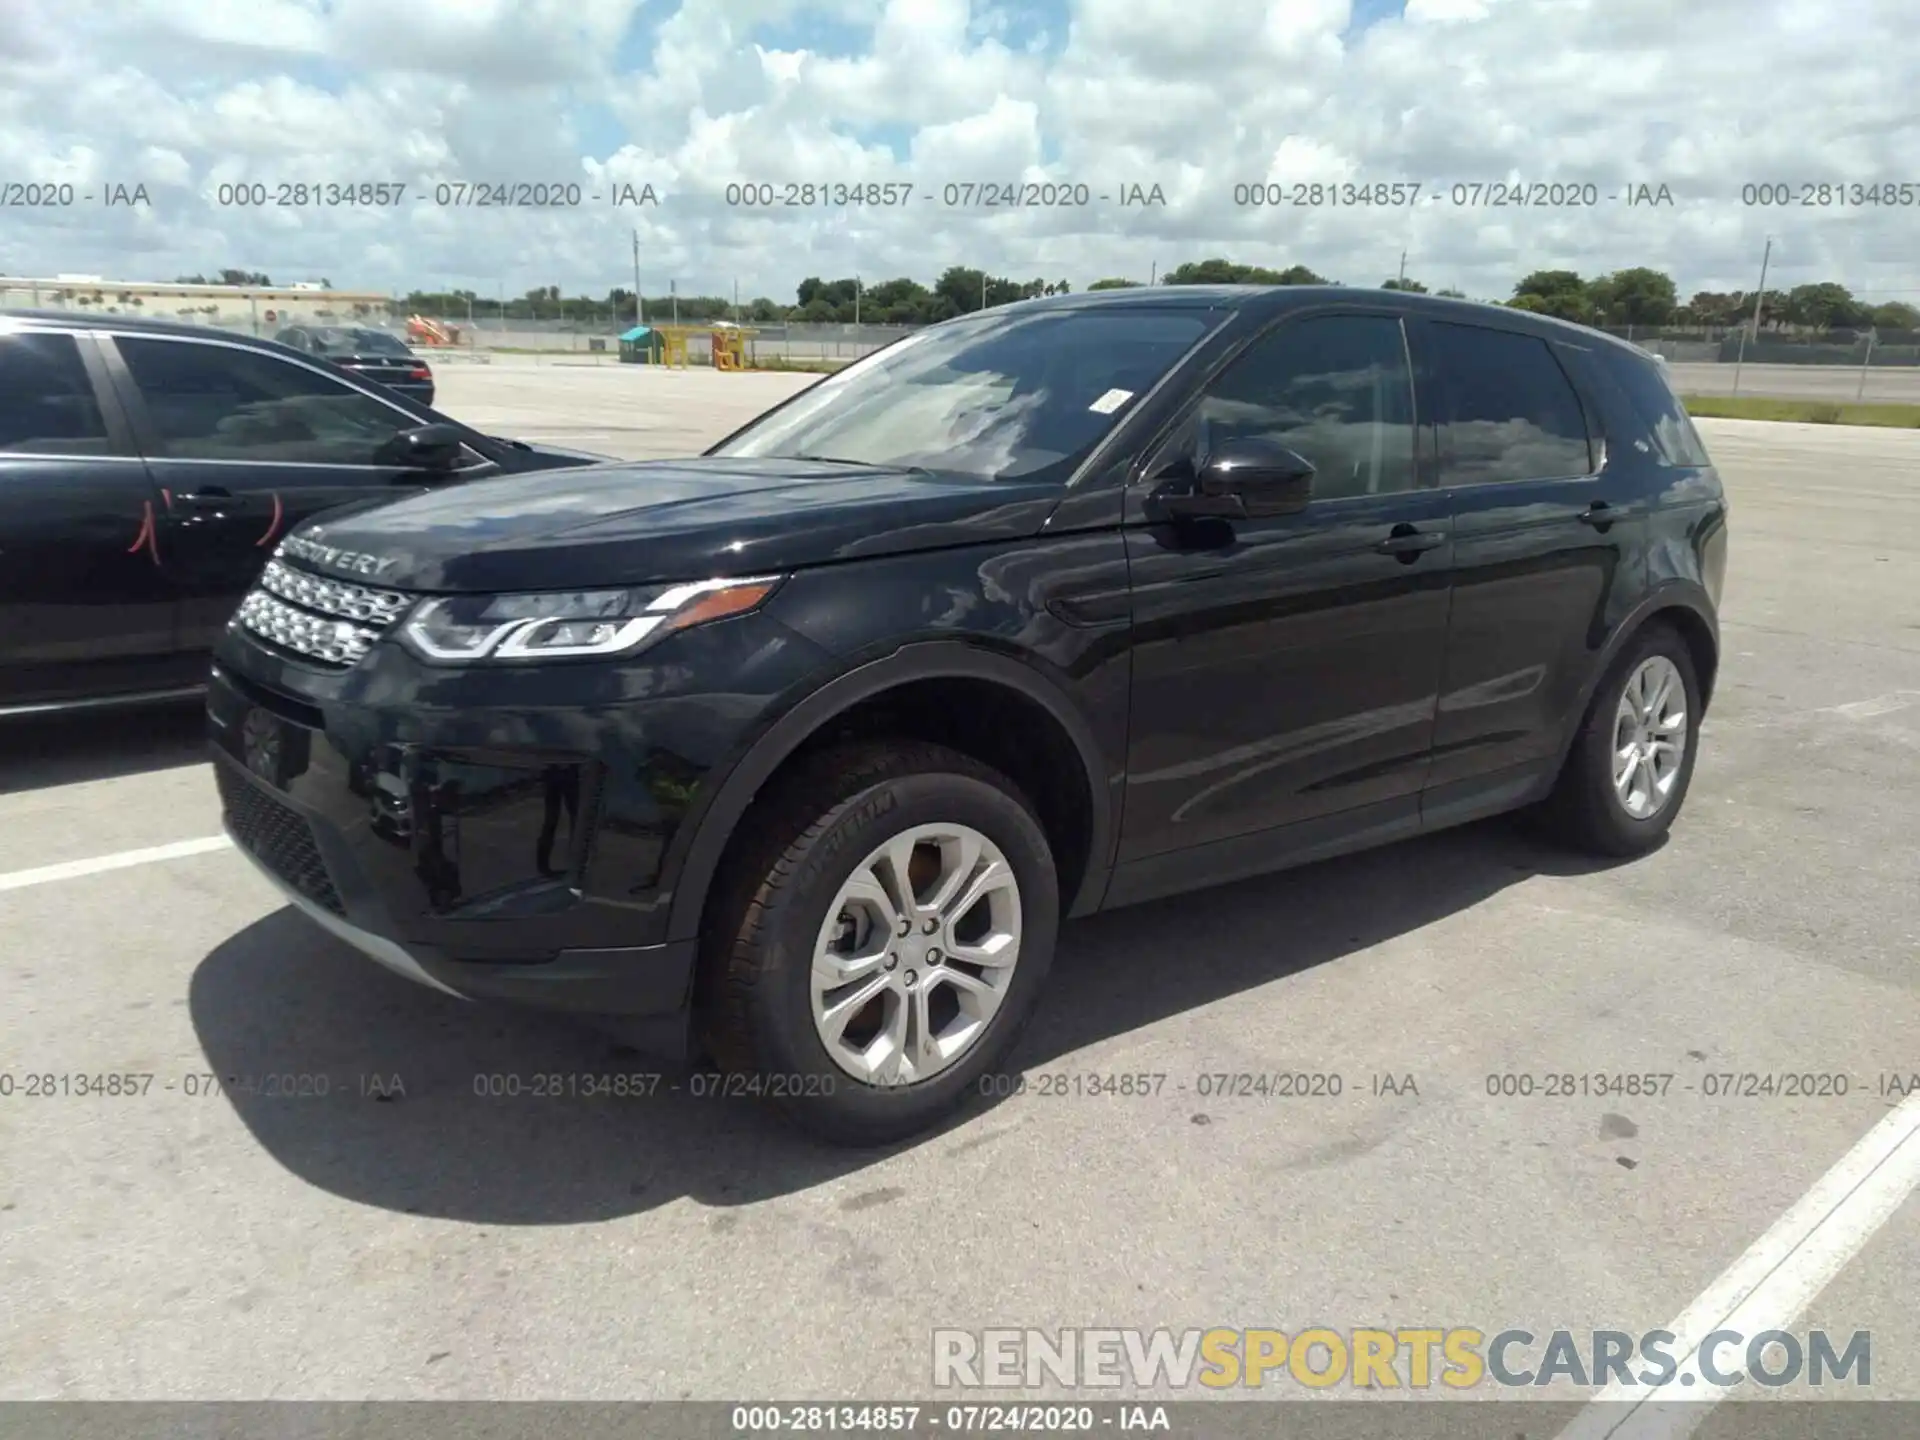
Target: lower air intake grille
<point x="278" y="837"/>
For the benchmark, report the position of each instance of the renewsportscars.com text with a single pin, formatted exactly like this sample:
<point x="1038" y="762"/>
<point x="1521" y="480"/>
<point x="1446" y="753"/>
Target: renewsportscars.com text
<point x="1415" y="1358"/>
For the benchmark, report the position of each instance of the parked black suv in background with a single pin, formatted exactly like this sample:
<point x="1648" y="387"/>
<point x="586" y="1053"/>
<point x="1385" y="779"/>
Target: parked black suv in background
<point x="806" y="746"/>
<point x="360" y="350"/>
<point x="146" y="471"/>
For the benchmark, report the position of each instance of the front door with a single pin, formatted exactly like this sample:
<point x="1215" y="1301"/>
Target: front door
<point x="1286" y="668"/>
<point x="243" y="445"/>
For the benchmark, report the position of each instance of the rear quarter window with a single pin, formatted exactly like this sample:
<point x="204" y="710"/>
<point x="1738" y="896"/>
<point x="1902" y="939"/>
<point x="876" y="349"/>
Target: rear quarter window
<point x="1663" y="429"/>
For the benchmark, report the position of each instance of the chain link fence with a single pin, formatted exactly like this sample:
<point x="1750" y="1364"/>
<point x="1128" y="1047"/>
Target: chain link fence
<point x="1733" y="344"/>
<point x="595" y="334"/>
<point x="811" y="343"/>
<point x="771" y="341"/>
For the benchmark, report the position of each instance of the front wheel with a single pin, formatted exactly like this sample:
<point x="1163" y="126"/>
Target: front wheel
<point x="884" y="944"/>
<point x="1631" y="763"/>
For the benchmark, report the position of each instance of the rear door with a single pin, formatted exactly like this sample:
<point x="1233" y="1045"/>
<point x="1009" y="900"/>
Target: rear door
<point x="242" y="445"/>
<point x="85" y="610"/>
<point x="1541" y="532"/>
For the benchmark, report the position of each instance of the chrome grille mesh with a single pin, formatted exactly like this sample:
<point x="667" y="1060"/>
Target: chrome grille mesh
<point x="333" y="597"/>
<point x="330" y="621"/>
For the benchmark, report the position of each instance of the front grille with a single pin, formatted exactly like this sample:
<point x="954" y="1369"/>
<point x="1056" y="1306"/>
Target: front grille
<point x="326" y="620"/>
<point x="278" y="836"/>
<point x="334" y="597"/>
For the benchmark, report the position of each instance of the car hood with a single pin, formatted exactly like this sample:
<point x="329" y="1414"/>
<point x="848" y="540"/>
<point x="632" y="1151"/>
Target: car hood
<point x="655" y="521"/>
<point x="528" y="454"/>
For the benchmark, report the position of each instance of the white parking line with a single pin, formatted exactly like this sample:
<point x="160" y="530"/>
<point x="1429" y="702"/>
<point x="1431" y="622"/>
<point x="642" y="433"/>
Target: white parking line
<point x="1878" y="705"/>
<point x="1768" y="1287"/>
<point x="72" y="869"/>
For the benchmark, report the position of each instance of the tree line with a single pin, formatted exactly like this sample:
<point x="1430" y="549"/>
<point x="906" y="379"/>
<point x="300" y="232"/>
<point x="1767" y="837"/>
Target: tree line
<point x="1638" y="297"/>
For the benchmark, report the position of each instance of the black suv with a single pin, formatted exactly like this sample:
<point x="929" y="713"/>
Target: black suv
<point x="804" y="748"/>
<point x="146" y="471"/>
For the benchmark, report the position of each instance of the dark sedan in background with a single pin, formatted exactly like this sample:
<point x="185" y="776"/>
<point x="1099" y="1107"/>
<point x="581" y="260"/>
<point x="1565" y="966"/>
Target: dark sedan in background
<point x="371" y="354"/>
<point x="147" y="470"/>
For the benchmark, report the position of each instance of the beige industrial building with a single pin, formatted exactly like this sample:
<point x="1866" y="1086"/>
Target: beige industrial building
<point x="254" y="309"/>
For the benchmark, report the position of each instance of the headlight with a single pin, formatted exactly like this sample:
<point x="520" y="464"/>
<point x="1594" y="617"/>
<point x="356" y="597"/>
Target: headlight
<point x="553" y="625"/>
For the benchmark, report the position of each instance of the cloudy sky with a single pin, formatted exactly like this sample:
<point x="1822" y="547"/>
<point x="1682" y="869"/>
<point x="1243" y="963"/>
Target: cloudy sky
<point x="1194" y="96"/>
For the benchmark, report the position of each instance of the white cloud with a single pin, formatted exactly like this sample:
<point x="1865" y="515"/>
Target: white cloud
<point x="1193" y="95"/>
<point x="1444" y="12"/>
<point x="284" y="26"/>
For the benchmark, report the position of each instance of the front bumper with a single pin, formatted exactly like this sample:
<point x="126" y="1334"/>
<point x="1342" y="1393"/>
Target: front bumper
<point x="639" y="982"/>
<point x="462" y="871"/>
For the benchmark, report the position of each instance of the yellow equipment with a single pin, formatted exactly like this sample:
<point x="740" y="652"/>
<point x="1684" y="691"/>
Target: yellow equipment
<point x="730" y="348"/>
<point x="673" y="343"/>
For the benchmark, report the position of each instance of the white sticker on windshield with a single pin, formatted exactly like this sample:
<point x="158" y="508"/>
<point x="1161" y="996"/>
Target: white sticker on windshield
<point x="1110" y="402"/>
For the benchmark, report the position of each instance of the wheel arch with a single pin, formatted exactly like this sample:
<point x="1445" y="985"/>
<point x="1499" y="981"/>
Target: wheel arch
<point x="1682" y="604"/>
<point x="814" y="717"/>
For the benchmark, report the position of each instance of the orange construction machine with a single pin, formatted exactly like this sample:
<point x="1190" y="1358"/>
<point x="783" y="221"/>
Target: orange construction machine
<point x="422" y="331"/>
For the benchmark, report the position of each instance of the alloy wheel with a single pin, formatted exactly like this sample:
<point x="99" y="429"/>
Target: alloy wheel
<point x="915" y="955"/>
<point x="1649" y="737"/>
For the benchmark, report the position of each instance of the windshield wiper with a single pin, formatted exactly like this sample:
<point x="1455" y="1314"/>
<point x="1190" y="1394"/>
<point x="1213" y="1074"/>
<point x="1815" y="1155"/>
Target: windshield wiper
<point x="863" y="464"/>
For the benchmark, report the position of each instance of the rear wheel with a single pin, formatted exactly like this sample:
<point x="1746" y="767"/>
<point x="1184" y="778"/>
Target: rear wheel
<point x="1628" y="771"/>
<point x="880" y="948"/>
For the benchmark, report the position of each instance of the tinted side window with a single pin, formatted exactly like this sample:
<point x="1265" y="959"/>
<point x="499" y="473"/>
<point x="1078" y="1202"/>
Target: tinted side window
<point x="217" y="402"/>
<point x="47" y="404"/>
<point x="1513" y="413"/>
<point x="1665" y="425"/>
<point x="1336" y="389"/>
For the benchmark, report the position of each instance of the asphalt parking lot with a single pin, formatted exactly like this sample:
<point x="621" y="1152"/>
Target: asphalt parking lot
<point x="402" y="1237"/>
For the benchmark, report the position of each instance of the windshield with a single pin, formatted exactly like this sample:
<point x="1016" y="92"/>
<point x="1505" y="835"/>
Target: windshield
<point x="1007" y="395"/>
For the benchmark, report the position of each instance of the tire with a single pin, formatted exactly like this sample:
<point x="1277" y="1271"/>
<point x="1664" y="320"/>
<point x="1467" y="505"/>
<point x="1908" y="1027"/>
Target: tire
<point x="815" y="832"/>
<point x="1586" y="810"/>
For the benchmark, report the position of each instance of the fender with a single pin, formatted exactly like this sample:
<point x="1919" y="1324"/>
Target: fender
<point x="1674" y="594"/>
<point x="931" y="660"/>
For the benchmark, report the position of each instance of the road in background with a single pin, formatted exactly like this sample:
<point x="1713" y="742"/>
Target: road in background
<point x="1892" y="383"/>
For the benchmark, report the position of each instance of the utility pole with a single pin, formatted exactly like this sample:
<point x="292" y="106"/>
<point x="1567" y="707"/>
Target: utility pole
<point x="640" y="306"/>
<point x="1153" y="273"/>
<point x="856" y="300"/>
<point x="736" y="302"/>
<point x="1741" y="354"/>
<point x="673" y="292"/>
<point x="1861" y="393"/>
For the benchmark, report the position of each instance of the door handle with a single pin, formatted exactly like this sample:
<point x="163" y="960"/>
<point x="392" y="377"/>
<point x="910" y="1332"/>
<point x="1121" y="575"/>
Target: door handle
<point x="1409" y="543"/>
<point x="209" y="497"/>
<point x="1599" y="515"/>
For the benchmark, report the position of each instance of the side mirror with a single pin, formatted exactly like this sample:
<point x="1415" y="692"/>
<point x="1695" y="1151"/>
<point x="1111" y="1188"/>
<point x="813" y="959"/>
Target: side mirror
<point x="1239" y="480"/>
<point x="425" y="447"/>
